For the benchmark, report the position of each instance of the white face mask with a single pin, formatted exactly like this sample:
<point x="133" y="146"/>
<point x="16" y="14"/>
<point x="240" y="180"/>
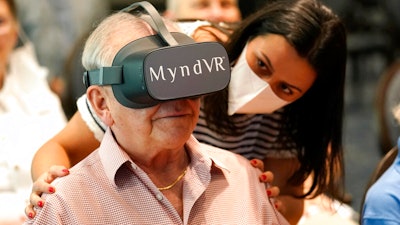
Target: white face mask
<point x="248" y="93"/>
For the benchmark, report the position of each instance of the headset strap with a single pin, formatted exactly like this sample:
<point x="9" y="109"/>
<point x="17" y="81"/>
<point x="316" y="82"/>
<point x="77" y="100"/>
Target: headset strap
<point x="156" y="23"/>
<point x="103" y="76"/>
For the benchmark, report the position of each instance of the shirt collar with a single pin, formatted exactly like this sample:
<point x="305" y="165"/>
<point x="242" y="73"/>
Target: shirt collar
<point x="205" y="154"/>
<point x="203" y="157"/>
<point x="111" y="155"/>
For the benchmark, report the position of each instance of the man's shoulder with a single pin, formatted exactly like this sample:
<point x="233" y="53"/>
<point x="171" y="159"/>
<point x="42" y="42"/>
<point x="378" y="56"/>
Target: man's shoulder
<point x="80" y="173"/>
<point x="219" y="152"/>
<point x="230" y="159"/>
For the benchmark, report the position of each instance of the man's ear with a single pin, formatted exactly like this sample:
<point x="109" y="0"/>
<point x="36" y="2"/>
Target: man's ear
<point x="98" y="100"/>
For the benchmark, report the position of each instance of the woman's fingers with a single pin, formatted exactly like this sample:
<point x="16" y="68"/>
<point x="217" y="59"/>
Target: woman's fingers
<point x="42" y="185"/>
<point x="273" y="191"/>
<point x="54" y="172"/>
<point x="267" y="177"/>
<point x="29" y="211"/>
<point x="209" y="33"/>
<point x="257" y="164"/>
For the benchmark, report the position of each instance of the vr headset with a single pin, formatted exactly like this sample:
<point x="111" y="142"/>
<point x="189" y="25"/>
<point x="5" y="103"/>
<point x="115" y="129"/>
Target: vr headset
<point x="162" y="67"/>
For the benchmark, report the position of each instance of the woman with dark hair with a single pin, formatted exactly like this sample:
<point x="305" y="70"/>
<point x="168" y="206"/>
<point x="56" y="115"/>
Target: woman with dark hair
<point x="283" y="105"/>
<point x="309" y="127"/>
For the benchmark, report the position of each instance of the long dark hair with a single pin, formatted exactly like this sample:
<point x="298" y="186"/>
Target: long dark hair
<point x="313" y="122"/>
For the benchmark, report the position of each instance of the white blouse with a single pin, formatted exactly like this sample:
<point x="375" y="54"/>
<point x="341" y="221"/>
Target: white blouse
<point x="30" y="114"/>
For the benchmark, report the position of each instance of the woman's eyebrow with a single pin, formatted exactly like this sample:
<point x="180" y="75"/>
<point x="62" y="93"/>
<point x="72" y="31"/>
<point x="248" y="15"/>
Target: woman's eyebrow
<point x="268" y="61"/>
<point x="294" y="87"/>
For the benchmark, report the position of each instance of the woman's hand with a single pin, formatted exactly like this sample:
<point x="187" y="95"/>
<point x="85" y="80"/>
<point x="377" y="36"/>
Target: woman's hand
<point x="42" y="185"/>
<point x="289" y="206"/>
<point x="210" y="33"/>
<point x="266" y="177"/>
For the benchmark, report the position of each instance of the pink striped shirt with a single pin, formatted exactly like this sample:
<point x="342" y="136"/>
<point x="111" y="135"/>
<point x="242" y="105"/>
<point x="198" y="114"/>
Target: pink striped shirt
<point x="219" y="187"/>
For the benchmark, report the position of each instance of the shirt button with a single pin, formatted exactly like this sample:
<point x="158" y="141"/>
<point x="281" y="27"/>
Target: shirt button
<point x="159" y="196"/>
<point x="133" y="166"/>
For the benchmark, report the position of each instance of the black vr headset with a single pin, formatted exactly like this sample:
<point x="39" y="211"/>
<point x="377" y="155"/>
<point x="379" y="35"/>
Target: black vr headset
<point x="162" y="67"/>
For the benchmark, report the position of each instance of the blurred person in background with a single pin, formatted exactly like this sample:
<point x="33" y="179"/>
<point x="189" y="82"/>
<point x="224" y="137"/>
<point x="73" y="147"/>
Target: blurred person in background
<point x="210" y="10"/>
<point x="30" y="113"/>
<point x="382" y="201"/>
<point x="54" y="27"/>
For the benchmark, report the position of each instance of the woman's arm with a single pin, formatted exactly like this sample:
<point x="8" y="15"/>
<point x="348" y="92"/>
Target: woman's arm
<point x="67" y="148"/>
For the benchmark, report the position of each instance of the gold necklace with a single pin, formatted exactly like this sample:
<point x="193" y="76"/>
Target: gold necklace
<point x="173" y="183"/>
